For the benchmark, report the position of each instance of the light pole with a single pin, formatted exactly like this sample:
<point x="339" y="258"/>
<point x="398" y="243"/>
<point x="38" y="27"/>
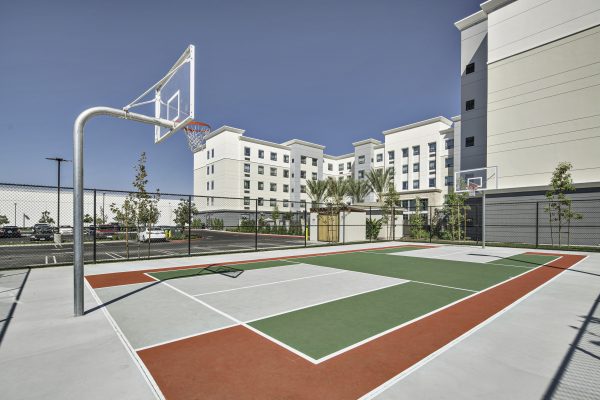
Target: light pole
<point x="58" y="160"/>
<point x="15" y="214"/>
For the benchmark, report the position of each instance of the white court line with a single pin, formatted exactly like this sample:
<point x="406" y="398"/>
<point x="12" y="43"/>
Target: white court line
<point x="383" y="387"/>
<point x="54" y="259"/>
<point x="444" y="286"/>
<point x="110" y="255"/>
<point x="128" y="347"/>
<point x="46" y="259"/>
<point x="270" y="283"/>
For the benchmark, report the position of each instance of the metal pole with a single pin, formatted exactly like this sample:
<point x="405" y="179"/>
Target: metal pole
<point x="58" y="200"/>
<point x="483" y="221"/>
<point x="306" y="225"/>
<point x="78" y="264"/>
<point x="256" y="225"/>
<point x="95" y="226"/>
<point x="189" y="225"/>
<point x="537" y="224"/>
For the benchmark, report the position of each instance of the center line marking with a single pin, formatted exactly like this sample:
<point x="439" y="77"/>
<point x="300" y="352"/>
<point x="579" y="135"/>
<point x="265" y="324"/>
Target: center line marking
<point x="270" y="283"/>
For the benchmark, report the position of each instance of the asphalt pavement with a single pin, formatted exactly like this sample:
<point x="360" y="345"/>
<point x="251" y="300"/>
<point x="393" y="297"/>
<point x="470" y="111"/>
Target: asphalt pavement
<point x="44" y="254"/>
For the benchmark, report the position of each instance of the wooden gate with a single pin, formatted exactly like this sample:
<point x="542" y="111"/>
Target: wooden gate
<point x="329" y="228"/>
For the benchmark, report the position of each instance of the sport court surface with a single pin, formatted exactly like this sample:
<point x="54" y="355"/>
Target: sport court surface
<point x="335" y="325"/>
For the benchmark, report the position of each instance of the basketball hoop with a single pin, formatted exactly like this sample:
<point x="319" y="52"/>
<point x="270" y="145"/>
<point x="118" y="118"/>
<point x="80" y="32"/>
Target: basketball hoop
<point x="472" y="189"/>
<point x="196" y="133"/>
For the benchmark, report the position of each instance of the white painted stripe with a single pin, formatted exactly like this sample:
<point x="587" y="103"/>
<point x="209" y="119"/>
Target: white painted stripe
<point x="128" y="347"/>
<point x="54" y="259"/>
<point x="444" y="286"/>
<point x="110" y="255"/>
<point x="270" y="283"/>
<point x="377" y="391"/>
<point x="320" y="360"/>
<point x="46" y="259"/>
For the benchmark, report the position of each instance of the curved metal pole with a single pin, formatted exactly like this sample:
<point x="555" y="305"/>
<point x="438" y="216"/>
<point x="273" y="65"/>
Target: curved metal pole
<point x="78" y="272"/>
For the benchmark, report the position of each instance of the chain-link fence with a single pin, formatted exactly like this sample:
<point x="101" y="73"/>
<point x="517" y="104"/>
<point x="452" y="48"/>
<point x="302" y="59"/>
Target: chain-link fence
<point x="36" y="224"/>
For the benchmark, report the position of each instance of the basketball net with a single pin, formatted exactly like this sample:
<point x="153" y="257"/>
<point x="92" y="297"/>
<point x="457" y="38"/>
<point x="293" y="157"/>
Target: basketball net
<point x="196" y="135"/>
<point x="472" y="187"/>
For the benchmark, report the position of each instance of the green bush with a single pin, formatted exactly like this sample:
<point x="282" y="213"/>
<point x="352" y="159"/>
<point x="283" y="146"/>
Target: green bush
<point x="373" y="227"/>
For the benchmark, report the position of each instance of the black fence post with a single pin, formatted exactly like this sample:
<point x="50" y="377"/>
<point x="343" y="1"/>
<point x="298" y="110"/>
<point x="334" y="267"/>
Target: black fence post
<point x="256" y="225"/>
<point x="537" y="224"/>
<point x="306" y="229"/>
<point x="189" y="225"/>
<point x="393" y="223"/>
<point x="371" y="222"/>
<point x="95" y="228"/>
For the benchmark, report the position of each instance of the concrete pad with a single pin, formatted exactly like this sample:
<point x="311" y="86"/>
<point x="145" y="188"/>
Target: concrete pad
<point x="149" y="314"/>
<point x="464" y="253"/>
<point x="259" y="302"/>
<point x="520" y="353"/>
<point x="49" y="354"/>
<point x="198" y="285"/>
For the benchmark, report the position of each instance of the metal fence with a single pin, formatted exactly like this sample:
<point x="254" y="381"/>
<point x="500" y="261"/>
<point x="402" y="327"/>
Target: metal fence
<point x="116" y="222"/>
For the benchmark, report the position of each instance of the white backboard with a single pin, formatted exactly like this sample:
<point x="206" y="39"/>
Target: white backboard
<point x="478" y="179"/>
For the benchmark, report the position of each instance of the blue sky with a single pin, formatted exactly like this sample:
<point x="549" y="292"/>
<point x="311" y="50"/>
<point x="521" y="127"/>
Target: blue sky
<point x="330" y="72"/>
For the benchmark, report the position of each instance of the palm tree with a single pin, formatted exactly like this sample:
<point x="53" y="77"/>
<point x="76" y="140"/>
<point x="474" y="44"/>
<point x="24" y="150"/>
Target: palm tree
<point x="357" y="189"/>
<point x="316" y="191"/>
<point x="380" y="181"/>
<point x="336" y="191"/>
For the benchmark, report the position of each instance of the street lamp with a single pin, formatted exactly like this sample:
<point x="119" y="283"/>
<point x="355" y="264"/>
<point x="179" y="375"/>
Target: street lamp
<point x="58" y="160"/>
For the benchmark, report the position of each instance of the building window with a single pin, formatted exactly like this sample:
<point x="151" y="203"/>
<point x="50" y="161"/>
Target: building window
<point x="470" y="141"/>
<point x="246" y="184"/>
<point x="273" y="187"/>
<point x="261" y="185"/>
<point x="431" y="165"/>
<point x="314" y="176"/>
<point x="329" y="167"/>
<point x="212" y="169"/>
<point x="208" y="154"/>
<point x="405" y="152"/>
<point x="261" y="154"/>
<point x="286" y="204"/>
<point x="470" y="68"/>
<point x="314" y="162"/>
<point x="416" y="150"/>
<point x="416" y="184"/>
<point x="302" y="159"/>
<point x="432" y="147"/>
<point x="379" y="157"/>
<point x="273" y="156"/>
<point x="273" y="171"/>
<point x="247" y="168"/>
<point x="303" y="174"/>
<point x="302" y="189"/>
<point x="469" y="105"/>
<point x="449" y="180"/>
<point x="405" y="185"/>
<point x="449" y="162"/>
<point x="207" y="185"/>
<point x="405" y="169"/>
<point x="273" y="202"/>
<point x="303" y="203"/>
<point x="286" y="188"/>
<point x="391" y="155"/>
<point x="212" y="185"/>
<point x="246" y="201"/>
<point x="431" y="182"/>
<point x="392" y="172"/>
<point x="286" y="173"/>
<point x="349" y="165"/>
<point x="286" y="158"/>
<point x="261" y="201"/>
<point x="261" y="170"/>
<point x="207" y="170"/>
<point x="449" y="144"/>
<point x="361" y="159"/>
<point x="340" y="167"/>
<point x="416" y="167"/>
<point x="361" y="174"/>
<point x="212" y="153"/>
<point x="247" y="151"/>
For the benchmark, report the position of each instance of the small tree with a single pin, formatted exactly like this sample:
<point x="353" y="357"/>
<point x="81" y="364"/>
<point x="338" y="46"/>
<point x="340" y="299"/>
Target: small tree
<point x="102" y="218"/>
<point x="417" y="226"/>
<point x="182" y="213"/>
<point x="391" y="199"/>
<point x="455" y="212"/>
<point x="559" y="207"/>
<point x="46" y="218"/>
<point x="275" y="214"/>
<point x="145" y="205"/>
<point x="357" y="190"/>
<point x="316" y="191"/>
<point x="3" y="220"/>
<point x="87" y="219"/>
<point x="126" y="216"/>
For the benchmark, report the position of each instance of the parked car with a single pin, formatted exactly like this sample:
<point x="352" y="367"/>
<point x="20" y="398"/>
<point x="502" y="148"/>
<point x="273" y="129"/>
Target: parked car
<point x="107" y="230"/>
<point x="66" y="230"/>
<point x="10" y="232"/>
<point x="42" y="234"/>
<point x="37" y="227"/>
<point x="154" y="234"/>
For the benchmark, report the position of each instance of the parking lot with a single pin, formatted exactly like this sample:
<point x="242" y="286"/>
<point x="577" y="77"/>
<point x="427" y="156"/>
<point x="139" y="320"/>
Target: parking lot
<point x="19" y="252"/>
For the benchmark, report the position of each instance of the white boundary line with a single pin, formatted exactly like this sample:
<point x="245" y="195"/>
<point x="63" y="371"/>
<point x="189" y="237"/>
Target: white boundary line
<point x="444" y="286"/>
<point x="130" y="350"/>
<point x="383" y="387"/>
<point x="270" y="283"/>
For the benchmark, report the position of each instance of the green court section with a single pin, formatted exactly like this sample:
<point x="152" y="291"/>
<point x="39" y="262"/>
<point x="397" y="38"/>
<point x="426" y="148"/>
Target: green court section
<point x="189" y="272"/>
<point x="326" y="328"/>
<point x="460" y="274"/>
<point x="524" y="260"/>
<point x="394" y="249"/>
